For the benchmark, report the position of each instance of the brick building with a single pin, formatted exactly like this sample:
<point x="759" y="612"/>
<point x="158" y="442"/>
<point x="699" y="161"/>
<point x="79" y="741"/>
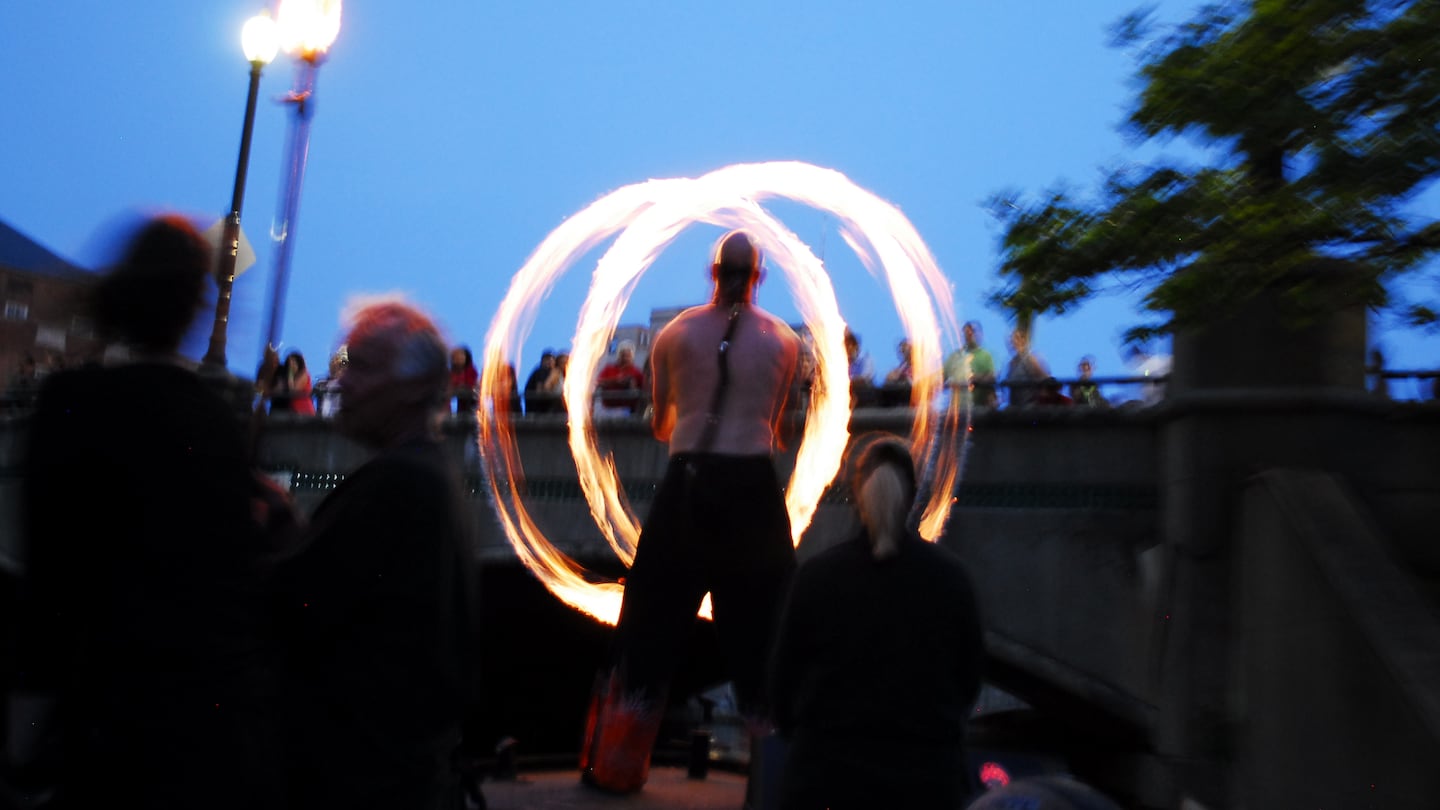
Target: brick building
<point x="44" y="313"/>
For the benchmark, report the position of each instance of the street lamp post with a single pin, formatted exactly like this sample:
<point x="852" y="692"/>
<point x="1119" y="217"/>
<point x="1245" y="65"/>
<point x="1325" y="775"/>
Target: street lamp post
<point x="307" y="29"/>
<point x="259" y="42"/>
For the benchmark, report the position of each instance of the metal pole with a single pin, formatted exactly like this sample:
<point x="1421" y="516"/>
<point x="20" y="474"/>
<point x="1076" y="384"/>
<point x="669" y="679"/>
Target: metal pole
<point x="230" y="242"/>
<point x="297" y="152"/>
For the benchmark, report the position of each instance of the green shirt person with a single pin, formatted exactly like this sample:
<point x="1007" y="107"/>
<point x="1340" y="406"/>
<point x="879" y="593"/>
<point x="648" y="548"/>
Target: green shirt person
<point x="979" y="380"/>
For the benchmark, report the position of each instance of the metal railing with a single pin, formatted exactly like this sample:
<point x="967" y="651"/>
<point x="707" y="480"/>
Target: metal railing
<point x="1412" y="385"/>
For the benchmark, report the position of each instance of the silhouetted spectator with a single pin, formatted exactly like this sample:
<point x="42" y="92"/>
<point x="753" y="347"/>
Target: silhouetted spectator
<point x="1084" y="391"/>
<point x="1379" y="386"/>
<point x="290" y="387"/>
<point x="537" y="399"/>
<point x="143" y="606"/>
<point x="862" y="373"/>
<point x="555" y="384"/>
<point x="327" y="391"/>
<point x="378" y="601"/>
<point x="1051" y="395"/>
<point x="896" y="391"/>
<point x="510" y="391"/>
<point x="1025" y="372"/>
<point x="23" y="384"/>
<point x="464" y="380"/>
<point x="878" y="655"/>
<point x="971" y="369"/>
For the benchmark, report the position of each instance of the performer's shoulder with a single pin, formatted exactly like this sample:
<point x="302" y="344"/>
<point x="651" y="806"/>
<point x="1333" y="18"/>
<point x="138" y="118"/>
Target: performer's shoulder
<point x="681" y="322"/>
<point x="778" y="327"/>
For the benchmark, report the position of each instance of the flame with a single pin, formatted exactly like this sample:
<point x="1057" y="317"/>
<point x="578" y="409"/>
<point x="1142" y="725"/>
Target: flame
<point x="648" y="217"/>
<point x="307" y="28"/>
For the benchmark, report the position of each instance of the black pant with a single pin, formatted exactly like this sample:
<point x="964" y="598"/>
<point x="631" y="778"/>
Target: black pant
<point x="718" y="524"/>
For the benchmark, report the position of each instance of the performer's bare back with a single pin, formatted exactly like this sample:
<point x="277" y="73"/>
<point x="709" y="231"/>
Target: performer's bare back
<point x="762" y="359"/>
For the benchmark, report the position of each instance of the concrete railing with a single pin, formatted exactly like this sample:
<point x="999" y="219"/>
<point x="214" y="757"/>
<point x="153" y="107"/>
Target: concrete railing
<point x="1058" y="520"/>
<point x="1011" y="468"/>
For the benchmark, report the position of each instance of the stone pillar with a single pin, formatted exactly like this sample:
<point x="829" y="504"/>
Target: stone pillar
<point x="1262" y="388"/>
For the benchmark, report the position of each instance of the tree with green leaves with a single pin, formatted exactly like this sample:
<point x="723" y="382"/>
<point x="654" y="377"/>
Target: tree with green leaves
<point x="1322" y="118"/>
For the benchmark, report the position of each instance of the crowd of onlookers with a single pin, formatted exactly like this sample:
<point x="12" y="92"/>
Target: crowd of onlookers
<point x="971" y="374"/>
<point x="622" y="385"/>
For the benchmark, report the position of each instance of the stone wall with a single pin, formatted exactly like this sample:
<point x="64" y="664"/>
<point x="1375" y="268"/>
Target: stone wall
<point x="1338" y="702"/>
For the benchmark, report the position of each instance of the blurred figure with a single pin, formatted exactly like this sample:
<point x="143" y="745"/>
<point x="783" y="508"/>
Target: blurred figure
<point x="23" y="384"/>
<point x="896" y="391"/>
<point x="805" y="372"/>
<point x="970" y="370"/>
<point x="537" y="399"/>
<point x="555" y="383"/>
<point x="861" y="367"/>
<point x="1084" y="391"/>
<point x="862" y="373"/>
<point x="1155" y="368"/>
<point x="290" y="388"/>
<point x="143" y="612"/>
<point x="377" y="602"/>
<point x="1050" y="792"/>
<point x="464" y="380"/>
<point x="1379" y="386"/>
<point x="507" y="399"/>
<point x="327" y="390"/>
<point x="717" y="523"/>
<point x="1051" y="395"/>
<point x="1025" y="372"/>
<point x="877" y="657"/>
<point x="621" y="383"/>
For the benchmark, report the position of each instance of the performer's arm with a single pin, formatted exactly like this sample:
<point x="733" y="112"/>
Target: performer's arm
<point x="662" y="419"/>
<point x="779" y="424"/>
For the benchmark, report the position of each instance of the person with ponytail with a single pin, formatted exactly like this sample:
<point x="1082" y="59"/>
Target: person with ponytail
<point x="878" y="656"/>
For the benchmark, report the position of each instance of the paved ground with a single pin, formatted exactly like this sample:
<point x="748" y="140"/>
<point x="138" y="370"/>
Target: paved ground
<point x="668" y="789"/>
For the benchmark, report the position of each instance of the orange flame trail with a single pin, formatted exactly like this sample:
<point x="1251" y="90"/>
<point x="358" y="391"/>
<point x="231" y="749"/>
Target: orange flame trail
<point x="648" y="217"/>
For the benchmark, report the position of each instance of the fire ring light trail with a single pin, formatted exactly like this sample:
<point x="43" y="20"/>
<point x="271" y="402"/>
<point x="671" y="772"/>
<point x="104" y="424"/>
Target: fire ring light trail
<point x="647" y="218"/>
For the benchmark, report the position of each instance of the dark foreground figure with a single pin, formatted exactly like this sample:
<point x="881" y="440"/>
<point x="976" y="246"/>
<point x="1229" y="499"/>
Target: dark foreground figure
<point x="877" y="660"/>
<point x="144" y="658"/>
<point x="377" y="604"/>
<point x="1051" y="792"/>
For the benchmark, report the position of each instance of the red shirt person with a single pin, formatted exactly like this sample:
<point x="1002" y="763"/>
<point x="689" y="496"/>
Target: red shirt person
<point x="621" y="382"/>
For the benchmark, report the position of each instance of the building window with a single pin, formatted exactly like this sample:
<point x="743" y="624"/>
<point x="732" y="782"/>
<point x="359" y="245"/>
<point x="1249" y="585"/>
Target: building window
<point x="82" y="327"/>
<point x="16" y="311"/>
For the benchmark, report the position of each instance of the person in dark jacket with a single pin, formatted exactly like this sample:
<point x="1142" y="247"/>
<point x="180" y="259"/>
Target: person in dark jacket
<point x="877" y="658"/>
<point x="143" y="613"/>
<point x="378" y="602"/>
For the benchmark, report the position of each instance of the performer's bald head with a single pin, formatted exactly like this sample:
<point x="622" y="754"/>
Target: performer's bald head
<point x="736" y="267"/>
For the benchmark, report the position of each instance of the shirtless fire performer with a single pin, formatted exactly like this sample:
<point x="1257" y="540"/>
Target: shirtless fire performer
<point x="718" y="522"/>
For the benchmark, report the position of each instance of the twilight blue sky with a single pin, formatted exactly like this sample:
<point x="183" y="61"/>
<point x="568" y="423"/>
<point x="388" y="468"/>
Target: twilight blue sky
<point x="451" y="136"/>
